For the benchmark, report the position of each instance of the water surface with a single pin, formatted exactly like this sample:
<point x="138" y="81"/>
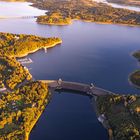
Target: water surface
<point x="17" y="9"/>
<point x="134" y="8"/>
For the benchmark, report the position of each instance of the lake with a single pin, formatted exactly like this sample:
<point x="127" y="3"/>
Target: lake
<point x="11" y="9"/>
<point x="90" y="53"/>
<point x="115" y="5"/>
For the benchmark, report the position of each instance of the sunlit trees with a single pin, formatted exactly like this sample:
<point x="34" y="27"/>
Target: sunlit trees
<point x="21" y="109"/>
<point x="20" y="45"/>
<point x="123" y="120"/>
<point x="63" y="12"/>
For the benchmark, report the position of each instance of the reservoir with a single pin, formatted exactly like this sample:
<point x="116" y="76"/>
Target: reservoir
<point x="90" y="53"/>
<point x="119" y="5"/>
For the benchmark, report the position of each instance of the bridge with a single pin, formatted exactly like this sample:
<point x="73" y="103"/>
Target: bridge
<point x="88" y="90"/>
<point x="17" y="17"/>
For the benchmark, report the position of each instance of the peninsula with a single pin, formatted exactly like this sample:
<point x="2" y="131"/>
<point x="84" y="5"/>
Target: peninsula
<point x="64" y="12"/>
<point x="14" y="45"/>
<point x="135" y="76"/>
<point x="22" y="100"/>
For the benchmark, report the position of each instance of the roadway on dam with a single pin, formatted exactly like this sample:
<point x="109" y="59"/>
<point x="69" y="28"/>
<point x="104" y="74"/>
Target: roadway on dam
<point x="89" y="90"/>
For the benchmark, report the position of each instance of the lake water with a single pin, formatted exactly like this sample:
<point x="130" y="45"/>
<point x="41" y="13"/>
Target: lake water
<point x="90" y="52"/>
<point x="10" y="9"/>
<point x="119" y="5"/>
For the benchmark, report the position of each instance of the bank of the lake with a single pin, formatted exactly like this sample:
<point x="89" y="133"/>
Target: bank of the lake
<point x="86" y="10"/>
<point x="35" y="50"/>
<point x="134" y="77"/>
<point x="120" y="114"/>
<point x="16" y="80"/>
<point x="34" y="122"/>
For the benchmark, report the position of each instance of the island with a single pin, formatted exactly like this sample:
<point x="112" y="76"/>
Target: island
<point x="134" y="77"/>
<point x="22" y="100"/>
<point x="64" y="12"/>
<point x="120" y="115"/>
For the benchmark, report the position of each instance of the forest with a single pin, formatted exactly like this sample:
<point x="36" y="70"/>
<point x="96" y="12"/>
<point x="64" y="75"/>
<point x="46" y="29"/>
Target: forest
<point x="12" y="73"/>
<point x="23" y="100"/>
<point x="85" y="10"/>
<point x="54" y="19"/>
<point x="122" y="114"/>
<point x="14" y="45"/>
<point x="20" y="110"/>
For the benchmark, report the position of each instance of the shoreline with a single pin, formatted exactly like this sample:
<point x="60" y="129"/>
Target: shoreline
<point x="105" y="122"/>
<point x="115" y="123"/>
<point x="90" y="21"/>
<point x="46" y="99"/>
<point x="71" y="22"/>
<point x="130" y="82"/>
<point x="33" y="51"/>
<point x="27" y="134"/>
<point x="108" y="23"/>
<point x="55" y="24"/>
<point x="129" y="76"/>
